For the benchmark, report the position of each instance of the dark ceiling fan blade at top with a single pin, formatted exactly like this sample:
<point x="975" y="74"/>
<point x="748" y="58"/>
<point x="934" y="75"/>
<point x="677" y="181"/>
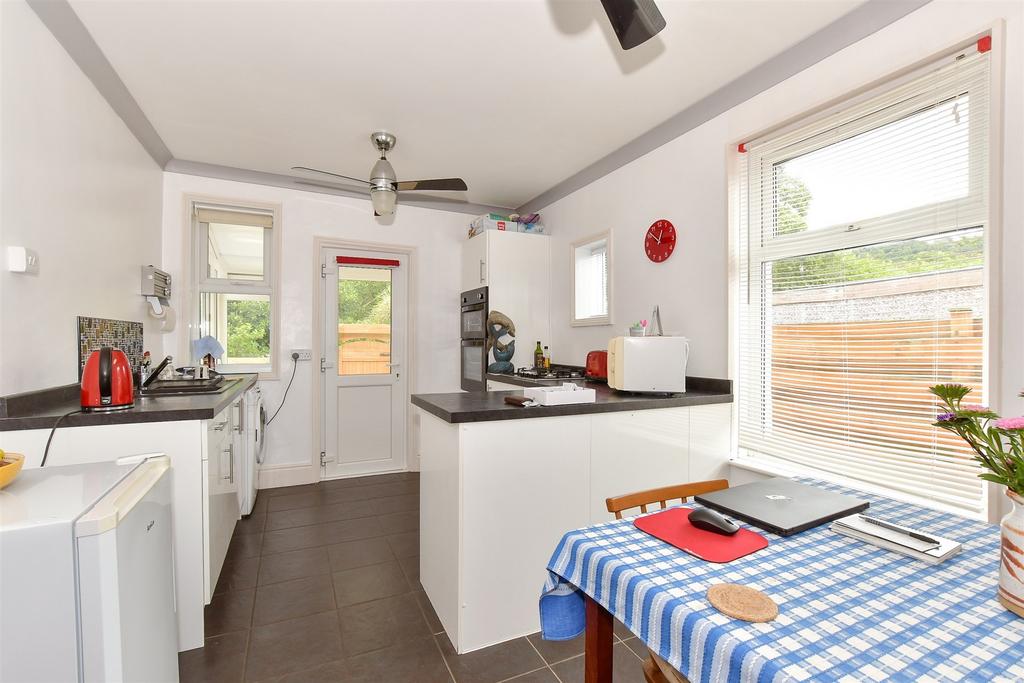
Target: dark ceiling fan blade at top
<point x="457" y="184"/>
<point x="634" y="21"/>
<point x="336" y="175"/>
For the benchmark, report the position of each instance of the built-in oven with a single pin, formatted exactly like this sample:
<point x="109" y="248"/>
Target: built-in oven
<point x="473" y="336"/>
<point x="474" y="364"/>
<point x="474" y="314"/>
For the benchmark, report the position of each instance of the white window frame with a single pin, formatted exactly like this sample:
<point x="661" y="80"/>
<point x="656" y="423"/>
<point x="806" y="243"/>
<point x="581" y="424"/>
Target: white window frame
<point x="753" y="164"/>
<point x="198" y="236"/>
<point x="596" y="319"/>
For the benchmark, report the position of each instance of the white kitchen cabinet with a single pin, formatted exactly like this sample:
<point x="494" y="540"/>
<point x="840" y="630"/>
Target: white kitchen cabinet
<point x="516" y="269"/>
<point x="220" y="495"/>
<point x="510" y="489"/>
<point x="199" y="468"/>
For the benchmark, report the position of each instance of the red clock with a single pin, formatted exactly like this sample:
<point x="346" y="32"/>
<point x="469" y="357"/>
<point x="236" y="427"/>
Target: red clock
<point x="660" y="241"/>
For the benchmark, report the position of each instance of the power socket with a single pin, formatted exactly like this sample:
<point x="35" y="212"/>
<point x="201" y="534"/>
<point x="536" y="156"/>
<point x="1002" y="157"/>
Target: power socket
<point x="304" y="354"/>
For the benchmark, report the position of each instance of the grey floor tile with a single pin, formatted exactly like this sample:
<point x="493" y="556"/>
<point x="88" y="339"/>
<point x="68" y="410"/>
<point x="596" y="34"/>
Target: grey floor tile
<point x="400" y="522"/>
<point x="407" y="503"/>
<point x="253" y="524"/>
<point x="283" y="540"/>
<point x="491" y="664"/>
<point x="411" y="569"/>
<point x="220" y="660"/>
<point x="382" y="623"/>
<point x="620" y="630"/>
<point x="428" y="612"/>
<point x="291" y="599"/>
<point x="295" y="564"/>
<point x="626" y="667"/>
<point x="359" y="553"/>
<point x="363" y="584"/>
<point x="296" y="500"/>
<point x="238" y="574"/>
<point x="243" y="546"/>
<point x="416" y="660"/>
<point x="331" y="672"/>
<point x="229" y="612"/>
<point x="292" y="490"/>
<point x="295" y="645"/>
<point x="405" y="545"/>
<point x="637" y="646"/>
<point x="319" y="514"/>
<point x="544" y="675"/>
<point x="554" y="651"/>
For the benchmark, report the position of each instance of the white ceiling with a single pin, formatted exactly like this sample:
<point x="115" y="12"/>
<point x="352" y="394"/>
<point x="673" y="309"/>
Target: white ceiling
<point x="514" y="96"/>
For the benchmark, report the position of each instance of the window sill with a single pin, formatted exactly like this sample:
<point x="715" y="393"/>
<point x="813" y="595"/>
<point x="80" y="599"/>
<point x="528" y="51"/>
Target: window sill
<point x="753" y="462"/>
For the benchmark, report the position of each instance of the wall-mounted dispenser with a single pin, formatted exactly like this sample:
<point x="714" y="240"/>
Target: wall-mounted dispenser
<point x="156" y="287"/>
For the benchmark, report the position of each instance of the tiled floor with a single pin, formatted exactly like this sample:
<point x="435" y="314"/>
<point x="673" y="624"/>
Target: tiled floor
<point x="322" y="584"/>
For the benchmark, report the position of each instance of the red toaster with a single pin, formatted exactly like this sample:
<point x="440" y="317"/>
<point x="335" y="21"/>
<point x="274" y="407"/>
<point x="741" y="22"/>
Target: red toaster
<point x="597" y="366"/>
<point x="107" y="381"/>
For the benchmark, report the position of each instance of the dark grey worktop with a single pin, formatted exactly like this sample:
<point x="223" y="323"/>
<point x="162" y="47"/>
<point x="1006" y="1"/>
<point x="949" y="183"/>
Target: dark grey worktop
<point x="486" y="406"/>
<point x="42" y="409"/>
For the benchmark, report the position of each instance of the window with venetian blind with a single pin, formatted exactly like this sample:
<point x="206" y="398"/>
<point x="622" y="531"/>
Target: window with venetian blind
<point x="862" y="282"/>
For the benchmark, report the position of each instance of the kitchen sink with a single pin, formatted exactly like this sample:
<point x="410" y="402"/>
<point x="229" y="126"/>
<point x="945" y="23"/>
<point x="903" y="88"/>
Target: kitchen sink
<point x="188" y="386"/>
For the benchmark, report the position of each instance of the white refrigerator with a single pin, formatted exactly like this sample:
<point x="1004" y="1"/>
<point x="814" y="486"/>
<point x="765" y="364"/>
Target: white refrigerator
<point x="86" y="574"/>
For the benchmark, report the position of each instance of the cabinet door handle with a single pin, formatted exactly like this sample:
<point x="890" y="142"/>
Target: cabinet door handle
<point x="230" y="450"/>
<point x="483" y="271"/>
<point x="220" y="426"/>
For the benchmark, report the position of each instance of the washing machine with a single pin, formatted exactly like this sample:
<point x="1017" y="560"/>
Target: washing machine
<point x="254" y="449"/>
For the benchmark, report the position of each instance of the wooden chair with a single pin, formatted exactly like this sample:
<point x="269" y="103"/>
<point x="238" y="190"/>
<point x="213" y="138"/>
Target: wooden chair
<point x="656" y="669"/>
<point x="642" y="499"/>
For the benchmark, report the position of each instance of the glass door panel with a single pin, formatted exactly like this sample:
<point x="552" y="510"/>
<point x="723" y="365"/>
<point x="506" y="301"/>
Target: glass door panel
<point x="364" y="320"/>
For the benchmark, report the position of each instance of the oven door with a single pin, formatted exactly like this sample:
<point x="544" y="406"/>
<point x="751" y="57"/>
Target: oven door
<point x="474" y="365"/>
<point x="474" y="322"/>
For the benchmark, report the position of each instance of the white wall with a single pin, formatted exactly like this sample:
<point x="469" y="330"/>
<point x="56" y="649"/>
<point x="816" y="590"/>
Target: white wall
<point x="437" y="237"/>
<point x="78" y="188"/>
<point x="687" y="182"/>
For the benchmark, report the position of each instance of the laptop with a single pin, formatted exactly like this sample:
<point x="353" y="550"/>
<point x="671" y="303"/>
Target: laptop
<point x="782" y="506"/>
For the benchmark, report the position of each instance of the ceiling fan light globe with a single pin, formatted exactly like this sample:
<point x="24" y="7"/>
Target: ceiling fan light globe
<point x="383" y="200"/>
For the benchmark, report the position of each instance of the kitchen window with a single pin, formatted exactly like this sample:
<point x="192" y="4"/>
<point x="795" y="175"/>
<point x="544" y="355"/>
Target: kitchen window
<point x="233" y="293"/>
<point x="862" y="282"/>
<point x="591" y="280"/>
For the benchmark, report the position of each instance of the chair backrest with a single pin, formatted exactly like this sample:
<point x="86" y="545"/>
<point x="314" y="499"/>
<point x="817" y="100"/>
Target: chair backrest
<point x="663" y="495"/>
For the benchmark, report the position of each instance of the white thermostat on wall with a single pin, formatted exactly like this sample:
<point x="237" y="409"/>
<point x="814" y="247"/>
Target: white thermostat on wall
<point x="22" y="260"/>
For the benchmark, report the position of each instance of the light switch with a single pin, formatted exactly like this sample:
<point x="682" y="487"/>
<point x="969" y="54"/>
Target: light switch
<point x="22" y="260"/>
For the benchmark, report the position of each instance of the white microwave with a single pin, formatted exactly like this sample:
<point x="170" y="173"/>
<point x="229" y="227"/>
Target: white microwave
<point x="648" y="364"/>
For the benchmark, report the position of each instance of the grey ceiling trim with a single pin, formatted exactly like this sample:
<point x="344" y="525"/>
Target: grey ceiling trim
<point x="74" y="37"/>
<point x="856" y="25"/>
<point x="243" y="175"/>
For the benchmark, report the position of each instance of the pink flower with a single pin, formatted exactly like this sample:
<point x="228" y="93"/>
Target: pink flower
<point x="974" y="408"/>
<point x="1010" y="423"/>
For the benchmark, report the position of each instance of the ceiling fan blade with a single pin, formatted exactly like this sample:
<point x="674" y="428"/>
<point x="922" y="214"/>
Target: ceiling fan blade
<point x="634" y="21"/>
<point x="331" y="186"/>
<point x="336" y="175"/>
<point x="435" y="184"/>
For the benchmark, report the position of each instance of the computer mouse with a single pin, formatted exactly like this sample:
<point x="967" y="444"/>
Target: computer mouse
<point x="709" y="520"/>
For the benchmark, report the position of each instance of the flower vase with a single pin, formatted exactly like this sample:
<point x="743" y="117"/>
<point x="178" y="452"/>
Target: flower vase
<point x="1011" y="564"/>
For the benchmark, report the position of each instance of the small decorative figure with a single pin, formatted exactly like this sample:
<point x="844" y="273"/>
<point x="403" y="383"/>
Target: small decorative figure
<point x="501" y="332"/>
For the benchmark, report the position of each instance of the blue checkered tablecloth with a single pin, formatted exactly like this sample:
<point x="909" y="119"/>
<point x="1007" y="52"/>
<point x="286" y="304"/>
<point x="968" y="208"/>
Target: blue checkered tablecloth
<point x="848" y="611"/>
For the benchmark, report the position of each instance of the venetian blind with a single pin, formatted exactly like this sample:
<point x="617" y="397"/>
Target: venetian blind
<point x="861" y="253"/>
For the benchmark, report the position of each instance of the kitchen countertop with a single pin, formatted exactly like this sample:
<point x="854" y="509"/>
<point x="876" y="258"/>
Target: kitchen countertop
<point x="42" y="409"/>
<point x="485" y="406"/>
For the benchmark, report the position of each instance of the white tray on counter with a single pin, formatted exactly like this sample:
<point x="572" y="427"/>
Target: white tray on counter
<point x="566" y="394"/>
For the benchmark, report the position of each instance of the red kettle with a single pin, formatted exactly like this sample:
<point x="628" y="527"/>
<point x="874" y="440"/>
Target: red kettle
<point x="107" y="381"/>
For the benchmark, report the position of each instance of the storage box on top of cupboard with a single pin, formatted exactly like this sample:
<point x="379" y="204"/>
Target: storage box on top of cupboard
<point x="483" y="224"/>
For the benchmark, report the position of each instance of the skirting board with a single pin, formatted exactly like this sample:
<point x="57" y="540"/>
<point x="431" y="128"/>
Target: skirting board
<point x="288" y="475"/>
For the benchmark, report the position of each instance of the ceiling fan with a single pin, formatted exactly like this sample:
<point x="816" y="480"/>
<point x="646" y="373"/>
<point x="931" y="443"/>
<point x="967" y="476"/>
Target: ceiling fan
<point x="634" y="21"/>
<point x="383" y="183"/>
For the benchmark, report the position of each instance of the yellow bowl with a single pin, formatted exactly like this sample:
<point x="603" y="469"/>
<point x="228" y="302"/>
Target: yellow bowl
<point x="9" y="467"/>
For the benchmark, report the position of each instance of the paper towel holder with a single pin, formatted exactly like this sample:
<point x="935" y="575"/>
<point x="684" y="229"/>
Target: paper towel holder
<point x="156" y="287"/>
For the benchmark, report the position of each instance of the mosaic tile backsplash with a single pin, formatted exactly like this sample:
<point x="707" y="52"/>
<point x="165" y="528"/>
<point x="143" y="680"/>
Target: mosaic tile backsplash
<point x="94" y="333"/>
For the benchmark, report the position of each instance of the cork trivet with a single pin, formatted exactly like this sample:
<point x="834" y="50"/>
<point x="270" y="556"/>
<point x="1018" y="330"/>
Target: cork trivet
<point x="742" y="602"/>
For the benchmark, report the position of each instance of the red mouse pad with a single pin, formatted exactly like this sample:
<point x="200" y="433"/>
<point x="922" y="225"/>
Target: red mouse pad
<point x="673" y="526"/>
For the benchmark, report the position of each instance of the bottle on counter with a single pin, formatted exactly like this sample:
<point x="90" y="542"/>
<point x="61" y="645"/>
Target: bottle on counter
<point x="547" y="359"/>
<point x="538" y="357"/>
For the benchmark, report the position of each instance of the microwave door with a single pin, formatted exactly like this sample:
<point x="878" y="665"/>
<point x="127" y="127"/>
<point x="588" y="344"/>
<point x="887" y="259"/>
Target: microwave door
<point x="474" y="365"/>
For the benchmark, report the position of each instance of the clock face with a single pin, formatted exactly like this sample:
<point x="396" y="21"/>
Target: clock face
<point x="660" y="241"/>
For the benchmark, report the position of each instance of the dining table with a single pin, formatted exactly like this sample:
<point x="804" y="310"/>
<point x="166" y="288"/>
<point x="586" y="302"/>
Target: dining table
<point x="847" y="610"/>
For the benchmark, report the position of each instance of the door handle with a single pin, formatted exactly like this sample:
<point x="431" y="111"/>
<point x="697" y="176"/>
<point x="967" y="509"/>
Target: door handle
<point x="231" y="464"/>
<point x="483" y="271"/>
